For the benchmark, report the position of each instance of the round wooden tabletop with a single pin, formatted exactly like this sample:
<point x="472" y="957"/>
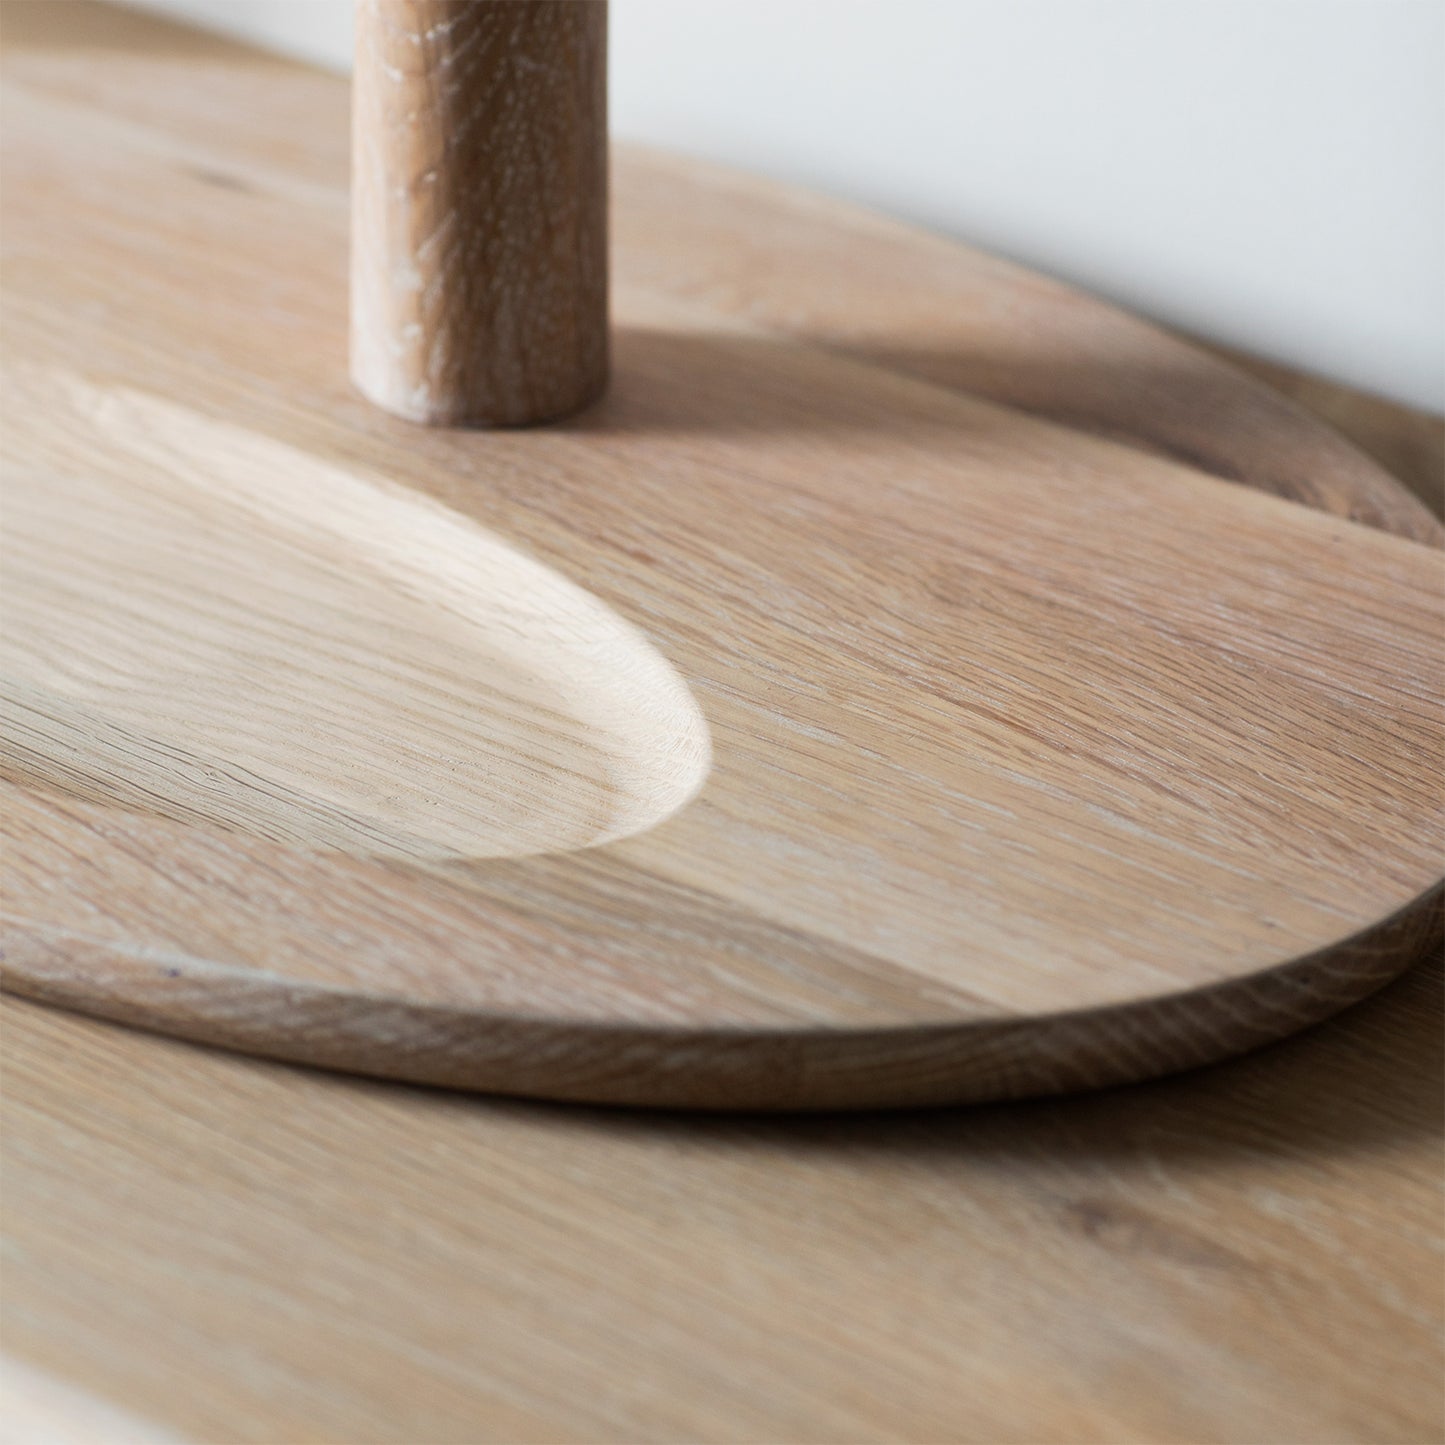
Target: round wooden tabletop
<point x="914" y="681"/>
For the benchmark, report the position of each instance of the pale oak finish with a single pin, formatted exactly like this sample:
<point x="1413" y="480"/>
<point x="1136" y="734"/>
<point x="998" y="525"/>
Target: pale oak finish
<point x="1409" y="444"/>
<point x="1036" y="761"/>
<point x="581" y="734"/>
<point x="250" y="1252"/>
<point x="247" y="1252"/>
<point x="479" y="208"/>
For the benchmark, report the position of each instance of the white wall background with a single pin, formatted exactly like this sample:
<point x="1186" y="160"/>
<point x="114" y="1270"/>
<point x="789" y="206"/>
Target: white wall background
<point x="1267" y="173"/>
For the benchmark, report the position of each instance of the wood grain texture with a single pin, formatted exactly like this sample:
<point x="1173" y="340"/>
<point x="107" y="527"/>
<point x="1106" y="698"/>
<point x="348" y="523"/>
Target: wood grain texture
<point x="248" y="1252"/>
<point x="479" y="208"/>
<point x="803" y="726"/>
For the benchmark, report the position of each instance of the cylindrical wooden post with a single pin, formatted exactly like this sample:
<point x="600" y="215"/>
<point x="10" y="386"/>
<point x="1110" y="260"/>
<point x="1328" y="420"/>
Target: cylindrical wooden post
<point x="479" y="208"/>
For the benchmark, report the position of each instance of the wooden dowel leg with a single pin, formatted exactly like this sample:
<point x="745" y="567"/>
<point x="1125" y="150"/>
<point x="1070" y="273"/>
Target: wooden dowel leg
<point x="479" y="208"/>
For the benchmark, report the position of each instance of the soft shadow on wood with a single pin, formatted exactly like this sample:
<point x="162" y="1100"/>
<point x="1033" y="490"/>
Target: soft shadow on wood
<point x="1369" y="1078"/>
<point x="1365" y="1081"/>
<point x="1200" y="416"/>
<point x="750" y="387"/>
<point x="1362" y="1083"/>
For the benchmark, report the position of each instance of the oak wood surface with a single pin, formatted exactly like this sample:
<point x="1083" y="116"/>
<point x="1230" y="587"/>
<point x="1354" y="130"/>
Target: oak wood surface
<point x="801" y="727"/>
<point x="1408" y="443"/>
<point x="479" y="208"/>
<point x="245" y="1251"/>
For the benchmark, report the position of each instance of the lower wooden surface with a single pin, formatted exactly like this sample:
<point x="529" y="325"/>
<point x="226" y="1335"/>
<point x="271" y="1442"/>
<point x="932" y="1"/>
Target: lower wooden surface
<point x="244" y="1251"/>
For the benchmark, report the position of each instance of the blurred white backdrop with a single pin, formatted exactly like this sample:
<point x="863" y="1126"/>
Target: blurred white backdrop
<point x="1266" y="173"/>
